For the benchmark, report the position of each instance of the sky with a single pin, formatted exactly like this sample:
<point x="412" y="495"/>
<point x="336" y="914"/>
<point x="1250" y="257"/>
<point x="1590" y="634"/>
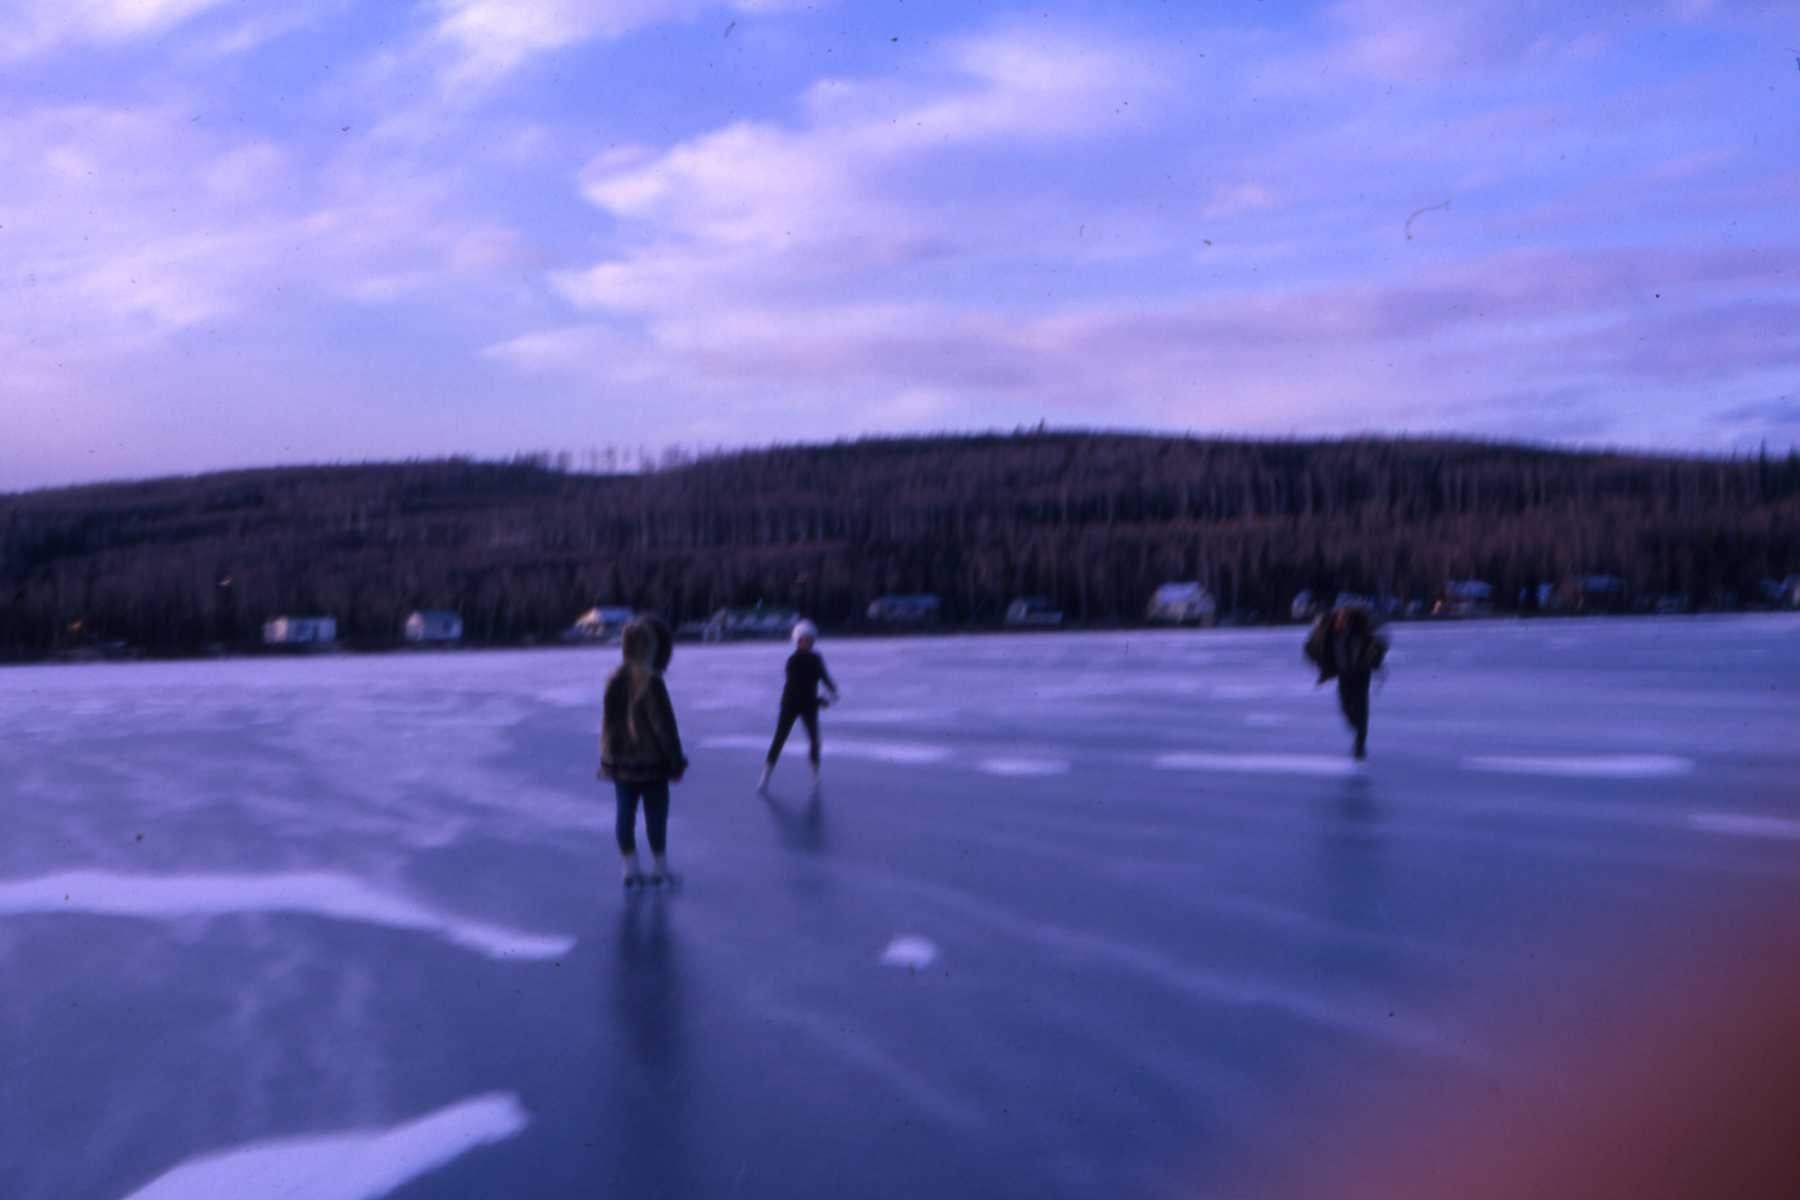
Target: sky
<point x="237" y="233"/>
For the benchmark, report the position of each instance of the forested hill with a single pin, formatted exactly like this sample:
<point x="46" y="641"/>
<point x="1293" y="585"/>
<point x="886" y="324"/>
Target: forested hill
<point x="1093" y="521"/>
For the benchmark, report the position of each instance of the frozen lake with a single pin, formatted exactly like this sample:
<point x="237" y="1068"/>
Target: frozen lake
<point x="1077" y="915"/>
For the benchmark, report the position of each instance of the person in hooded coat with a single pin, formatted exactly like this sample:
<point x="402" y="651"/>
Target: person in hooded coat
<point x="640" y="746"/>
<point x="1344" y="646"/>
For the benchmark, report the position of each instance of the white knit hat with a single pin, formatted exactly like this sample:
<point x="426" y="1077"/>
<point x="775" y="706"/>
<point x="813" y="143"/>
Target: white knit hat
<point x="806" y="629"/>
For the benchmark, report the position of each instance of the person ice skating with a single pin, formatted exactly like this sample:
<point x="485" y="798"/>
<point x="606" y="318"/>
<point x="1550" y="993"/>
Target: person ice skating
<point x="1343" y="644"/>
<point x="800" y="702"/>
<point x="640" y="746"/>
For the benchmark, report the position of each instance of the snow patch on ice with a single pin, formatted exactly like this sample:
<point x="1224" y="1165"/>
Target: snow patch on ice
<point x="909" y="753"/>
<point x="736" y="741"/>
<point x="904" y="753"/>
<point x="1584" y="766"/>
<point x="1260" y="764"/>
<point x="885" y="716"/>
<point x="358" y="1165"/>
<point x="1024" y="767"/>
<point x="321" y="894"/>
<point x="1747" y="825"/>
<point x="1259" y="691"/>
<point x="910" y="951"/>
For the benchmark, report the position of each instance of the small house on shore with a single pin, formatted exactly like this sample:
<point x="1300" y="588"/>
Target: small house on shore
<point x="737" y="624"/>
<point x="599" y="624"/>
<point x="1033" y="612"/>
<point x="905" y="610"/>
<point x="429" y="625"/>
<point x="1465" y="598"/>
<point x="299" y="631"/>
<point x="1186" y="603"/>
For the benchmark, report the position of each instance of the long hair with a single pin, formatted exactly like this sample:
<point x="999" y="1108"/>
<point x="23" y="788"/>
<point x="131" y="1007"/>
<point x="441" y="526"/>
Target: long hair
<point x="640" y="647"/>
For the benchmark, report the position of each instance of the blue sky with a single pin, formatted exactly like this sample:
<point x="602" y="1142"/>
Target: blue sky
<point x="238" y="233"/>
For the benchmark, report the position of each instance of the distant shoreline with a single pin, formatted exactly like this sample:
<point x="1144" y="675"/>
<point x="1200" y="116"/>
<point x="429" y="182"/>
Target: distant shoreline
<point x="844" y="635"/>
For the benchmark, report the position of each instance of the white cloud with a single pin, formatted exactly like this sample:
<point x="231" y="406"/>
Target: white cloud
<point x="491" y="38"/>
<point x="761" y="209"/>
<point x="31" y="26"/>
<point x="254" y="32"/>
<point x="150" y="258"/>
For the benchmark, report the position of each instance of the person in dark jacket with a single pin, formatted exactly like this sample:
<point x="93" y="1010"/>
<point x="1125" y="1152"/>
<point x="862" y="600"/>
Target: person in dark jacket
<point x="1344" y="646"/>
<point x="640" y="746"/>
<point x="800" y="702"/>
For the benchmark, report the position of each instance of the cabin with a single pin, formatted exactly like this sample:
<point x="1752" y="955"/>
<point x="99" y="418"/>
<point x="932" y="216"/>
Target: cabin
<point x="905" y="610"/>
<point x="1182" y="604"/>
<point x="299" y="631"/>
<point x="1033" y="612"/>
<point x="428" y="625"/>
<point x="1600" y="593"/>
<point x="1465" y="598"/>
<point x="599" y="624"/>
<point x="739" y="624"/>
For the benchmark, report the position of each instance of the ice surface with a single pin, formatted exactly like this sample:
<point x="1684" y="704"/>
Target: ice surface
<point x="1174" y="928"/>
<point x="342" y="1166"/>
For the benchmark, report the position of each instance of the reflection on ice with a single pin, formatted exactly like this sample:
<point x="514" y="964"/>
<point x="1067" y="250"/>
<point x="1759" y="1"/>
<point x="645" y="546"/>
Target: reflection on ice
<point x="1747" y="825"/>
<point x="1261" y="764"/>
<point x="343" y="1166"/>
<point x="320" y="894"/>
<point x="1584" y="766"/>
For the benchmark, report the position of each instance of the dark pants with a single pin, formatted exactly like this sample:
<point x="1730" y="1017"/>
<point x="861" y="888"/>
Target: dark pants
<point x="656" y="815"/>
<point x="808" y="713"/>
<point x="1353" y="698"/>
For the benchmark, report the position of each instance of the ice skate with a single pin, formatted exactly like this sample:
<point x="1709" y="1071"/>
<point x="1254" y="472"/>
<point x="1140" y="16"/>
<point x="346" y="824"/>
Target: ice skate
<point x="633" y="873"/>
<point x="762" y="784"/>
<point x="660" y="874"/>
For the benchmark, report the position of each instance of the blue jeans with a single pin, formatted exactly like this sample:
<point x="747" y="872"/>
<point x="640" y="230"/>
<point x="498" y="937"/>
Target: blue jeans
<point x="656" y="815"/>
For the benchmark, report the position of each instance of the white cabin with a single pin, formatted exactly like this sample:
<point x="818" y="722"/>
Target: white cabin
<point x="1466" y="598"/>
<point x="299" y="631"/>
<point x="1183" y="604"/>
<point x="428" y="625"/>
<point x="600" y="624"/>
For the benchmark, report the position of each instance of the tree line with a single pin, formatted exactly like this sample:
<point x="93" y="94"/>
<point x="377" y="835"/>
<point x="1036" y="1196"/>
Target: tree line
<point x="1093" y="521"/>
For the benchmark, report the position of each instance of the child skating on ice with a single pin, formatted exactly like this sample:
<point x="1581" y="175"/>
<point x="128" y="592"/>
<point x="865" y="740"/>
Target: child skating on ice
<point x="800" y="701"/>
<point x="640" y="748"/>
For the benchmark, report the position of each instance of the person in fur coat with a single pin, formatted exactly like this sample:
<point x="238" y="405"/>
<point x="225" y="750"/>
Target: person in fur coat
<point x="640" y="746"/>
<point x="1344" y="646"/>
